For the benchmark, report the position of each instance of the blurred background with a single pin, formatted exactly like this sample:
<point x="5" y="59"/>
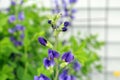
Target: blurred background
<point x="100" y="17"/>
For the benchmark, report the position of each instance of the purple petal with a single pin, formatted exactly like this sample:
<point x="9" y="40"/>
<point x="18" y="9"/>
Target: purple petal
<point x="73" y="77"/>
<point x="43" y="77"/>
<point x="12" y="38"/>
<point x="49" y="21"/>
<point x="64" y="56"/>
<point x="21" y="16"/>
<point x="50" y="54"/>
<point x="63" y="75"/>
<point x="19" y="27"/>
<point x="22" y="36"/>
<point x="76" y="66"/>
<point x="36" y="78"/>
<point x="66" y="23"/>
<point x="53" y="54"/>
<point x="72" y="1"/>
<point x="11" y="30"/>
<point x="68" y="77"/>
<point x="12" y="18"/>
<point x="68" y="57"/>
<point x="13" y="3"/>
<point x="73" y="10"/>
<point x="42" y="41"/>
<point x="48" y="63"/>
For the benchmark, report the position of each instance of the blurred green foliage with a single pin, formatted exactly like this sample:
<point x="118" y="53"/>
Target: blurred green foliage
<point x="21" y="63"/>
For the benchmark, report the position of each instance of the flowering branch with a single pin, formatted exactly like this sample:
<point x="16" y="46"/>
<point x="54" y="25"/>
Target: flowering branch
<point x="53" y="56"/>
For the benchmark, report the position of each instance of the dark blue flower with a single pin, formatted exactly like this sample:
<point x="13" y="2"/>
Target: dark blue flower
<point x="68" y="57"/>
<point x="42" y="41"/>
<point x="53" y="54"/>
<point x="41" y="77"/>
<point x="12" y="18"/>
<point x="21" y="16"/>
<point x="48" y="63"/>
<point x="64" y="29"/>
<point x="66" y="23"/>
<point x="19" y="27"/>
<point x="76" y="66"/>
<point x="49" y="21"/>
<point x="72" y="1"/>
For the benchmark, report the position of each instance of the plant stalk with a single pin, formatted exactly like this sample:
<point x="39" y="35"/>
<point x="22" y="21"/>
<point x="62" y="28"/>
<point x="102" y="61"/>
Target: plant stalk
<point x="56" y="46"/>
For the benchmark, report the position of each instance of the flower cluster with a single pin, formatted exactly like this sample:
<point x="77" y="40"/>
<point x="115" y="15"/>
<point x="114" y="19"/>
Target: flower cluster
<point x="62" y="28"/>
<point x="65" y="76"/>
<point x="66" y="8"/>
<point x="57" y="64"/>
<point x="18" y="29"/>
<point x="49" y="62"/>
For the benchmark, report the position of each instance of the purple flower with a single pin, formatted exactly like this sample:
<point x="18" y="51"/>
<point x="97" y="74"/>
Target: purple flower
<point x="72" y="1"/>
<point x="64" y="4"/>
<point x="18" y="43"/>
<point x="57" y="9"/>
<point x="12" y="18"/>
<point x="64" y="76"/>
<point x="15" y="42"/>
<point x="21" y="16"/>
<point x="73" y="10"/>
<point x="19" y="27"/>
<point x="57" y="4"/>
<point x="12" y="38"/>
<point x="48" y="63"/>
<point x="22" y="36"/>
<point x="66" y="23"/>
<point x="42" y="41"/>
<point x="41" y="77"/>
<point x="53" y="54"/>
<point x="49" y="21"/>
<point x="64" y="29"/>
<point x="13" y="3"/>
<point x="73" y="77"/>
<point x="12" y="30"/>
<point x="76" y="66"/>
<point x="68" y="57"/>
<point x="72" y="17"/>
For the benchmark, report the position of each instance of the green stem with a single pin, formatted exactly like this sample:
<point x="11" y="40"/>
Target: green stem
<point x="56" y="42"/>
<point x="26" y="62"/>
<point x="25" y="53"/>
<point x="56" y="46"/>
